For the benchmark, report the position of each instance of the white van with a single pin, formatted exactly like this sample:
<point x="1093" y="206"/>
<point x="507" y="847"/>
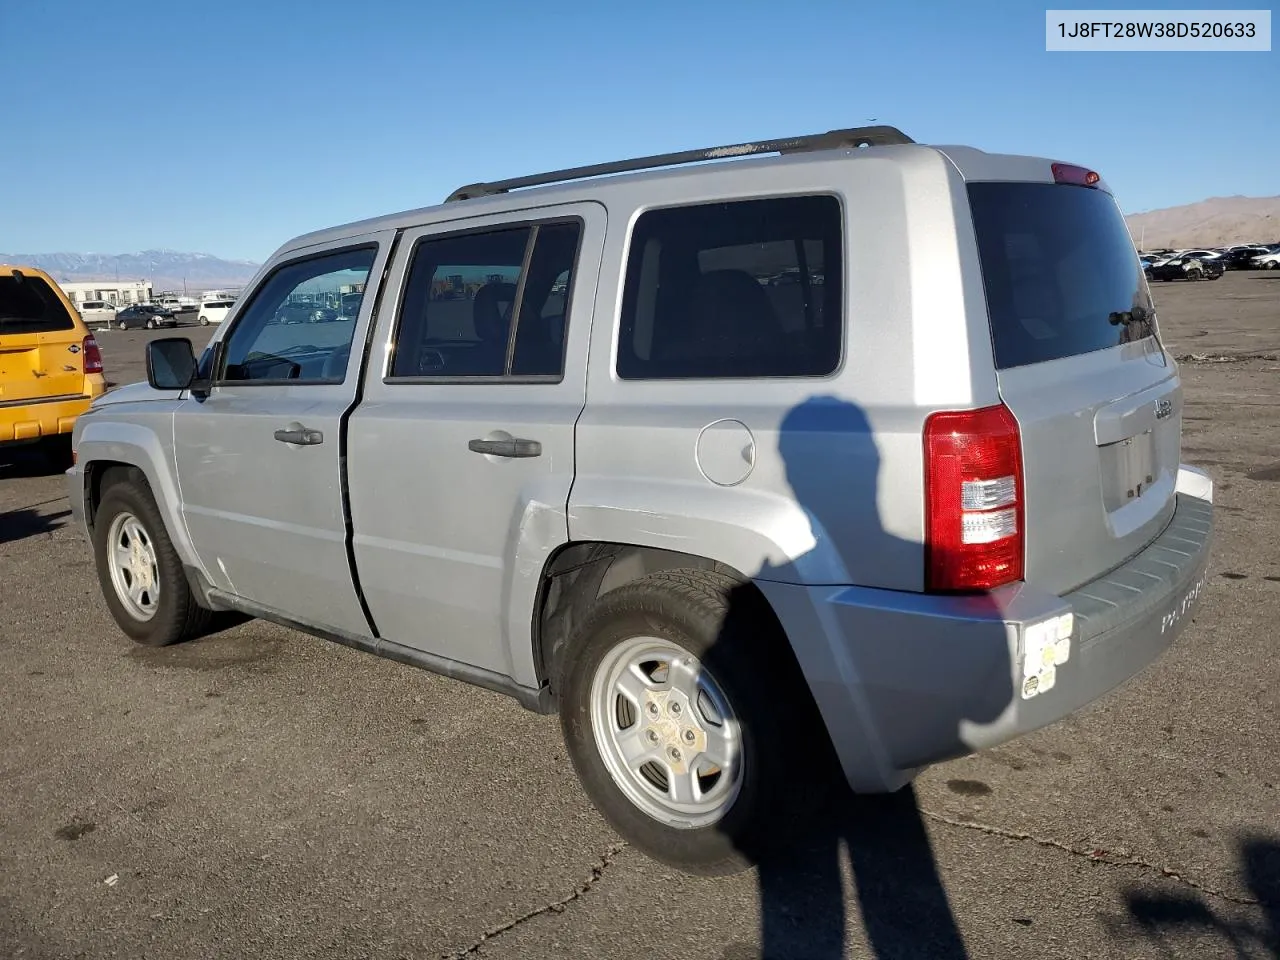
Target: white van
<point x="214" y="311"/>
<point x="97" y="311"/>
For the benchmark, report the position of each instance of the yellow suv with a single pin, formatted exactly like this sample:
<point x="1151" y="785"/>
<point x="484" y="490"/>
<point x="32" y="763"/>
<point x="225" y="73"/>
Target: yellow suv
<point x="50" y="364"/>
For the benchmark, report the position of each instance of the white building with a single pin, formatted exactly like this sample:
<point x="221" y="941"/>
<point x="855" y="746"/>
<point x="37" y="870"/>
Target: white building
<point x="119" y="292"/>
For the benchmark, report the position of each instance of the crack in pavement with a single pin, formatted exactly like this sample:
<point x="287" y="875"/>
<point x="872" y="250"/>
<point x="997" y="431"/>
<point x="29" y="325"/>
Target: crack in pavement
<point x="1097" y="855"/>
<point x="558" y="906"/>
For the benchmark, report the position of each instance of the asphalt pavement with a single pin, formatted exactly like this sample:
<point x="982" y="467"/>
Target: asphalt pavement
<point x="259" y="793"/>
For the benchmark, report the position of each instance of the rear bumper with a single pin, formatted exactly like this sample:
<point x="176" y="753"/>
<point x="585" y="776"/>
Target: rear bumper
<point x="905" y="680"/>
<point x="41" y="418"/>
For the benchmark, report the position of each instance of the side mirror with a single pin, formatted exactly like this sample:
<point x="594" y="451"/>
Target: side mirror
<point x="171" y="363"/>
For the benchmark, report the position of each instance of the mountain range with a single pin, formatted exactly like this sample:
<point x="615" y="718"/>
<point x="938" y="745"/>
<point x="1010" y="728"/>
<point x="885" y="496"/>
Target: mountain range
<point x="166" y="269"/>
<point x="1218" y="221"/>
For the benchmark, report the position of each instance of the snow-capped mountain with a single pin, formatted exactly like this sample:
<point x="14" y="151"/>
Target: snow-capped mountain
<point x="166" y="269"/>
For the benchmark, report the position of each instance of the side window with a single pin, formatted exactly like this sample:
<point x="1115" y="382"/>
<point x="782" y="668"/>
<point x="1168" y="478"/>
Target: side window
<point x="489" y="304"/>
<point x="747" y="288"/>
<point x="291" y="329"/>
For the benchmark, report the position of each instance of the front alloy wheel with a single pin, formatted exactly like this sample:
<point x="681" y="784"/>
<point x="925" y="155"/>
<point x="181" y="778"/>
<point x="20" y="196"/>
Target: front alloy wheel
<point x="135" y="573"/>
<point x="140" y="572"/>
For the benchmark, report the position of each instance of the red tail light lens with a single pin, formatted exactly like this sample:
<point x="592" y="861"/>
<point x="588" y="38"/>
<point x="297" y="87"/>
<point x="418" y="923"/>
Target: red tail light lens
<point x="974" y="536"/>
<point x="92" y="355"/>
<point x="1070" y="173"/>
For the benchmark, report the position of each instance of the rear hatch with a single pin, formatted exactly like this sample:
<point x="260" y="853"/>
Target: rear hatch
<point x="41" y="345"/>
<point x="1097" y="400"/>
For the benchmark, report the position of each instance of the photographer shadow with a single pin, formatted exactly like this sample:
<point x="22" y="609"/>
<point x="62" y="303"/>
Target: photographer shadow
<point x="1167" y="919"/>
<point x="832" y="465"/>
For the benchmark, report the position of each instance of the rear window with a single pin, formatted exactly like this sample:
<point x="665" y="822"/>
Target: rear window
<point x="747" y="288"/>
<point x="1057" y="263"/>
<point x="29" y="305"/>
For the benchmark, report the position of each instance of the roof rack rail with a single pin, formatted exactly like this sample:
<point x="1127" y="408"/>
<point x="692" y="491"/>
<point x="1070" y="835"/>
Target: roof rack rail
<point x="832" y="139"/>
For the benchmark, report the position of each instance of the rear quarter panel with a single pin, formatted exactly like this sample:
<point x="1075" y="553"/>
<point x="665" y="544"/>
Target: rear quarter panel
<point x="834" y="494"/>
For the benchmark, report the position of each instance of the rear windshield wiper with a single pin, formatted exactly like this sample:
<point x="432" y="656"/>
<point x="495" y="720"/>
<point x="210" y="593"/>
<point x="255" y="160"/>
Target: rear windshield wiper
<point x="1138" y="315"/>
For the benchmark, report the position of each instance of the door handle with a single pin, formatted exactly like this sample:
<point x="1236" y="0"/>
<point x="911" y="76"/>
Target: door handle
<point x="506" y="448"/>
<point x="300" y="435"/>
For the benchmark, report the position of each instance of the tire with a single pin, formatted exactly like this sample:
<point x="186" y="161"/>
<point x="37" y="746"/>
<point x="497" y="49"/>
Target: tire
<point x="127" y="508"/>
<point x="204" y="321"/>
<point x="1195" y="275"/>
<point x="741" y="653"/>
<point x="124" y="325"/>
<point x="150" y="324"/>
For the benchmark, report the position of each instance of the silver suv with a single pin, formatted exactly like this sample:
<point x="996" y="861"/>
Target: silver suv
<point x="843" y="449"/>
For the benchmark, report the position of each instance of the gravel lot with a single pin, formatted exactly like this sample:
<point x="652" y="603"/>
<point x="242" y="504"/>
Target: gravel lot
<point x="259" y="793"/>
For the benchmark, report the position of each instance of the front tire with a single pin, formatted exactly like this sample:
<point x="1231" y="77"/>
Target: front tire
<point x="689" y="723"/>
<point x="204" y="321"/>
<point x="139" y="570"/>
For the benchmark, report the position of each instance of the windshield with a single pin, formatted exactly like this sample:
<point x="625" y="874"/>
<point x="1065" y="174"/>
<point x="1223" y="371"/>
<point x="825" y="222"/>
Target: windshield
<point x="29" y="305"/>
<point x="1061" y="274"/>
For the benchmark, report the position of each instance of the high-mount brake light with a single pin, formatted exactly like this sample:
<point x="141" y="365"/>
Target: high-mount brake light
<point x="1079" y="176"/>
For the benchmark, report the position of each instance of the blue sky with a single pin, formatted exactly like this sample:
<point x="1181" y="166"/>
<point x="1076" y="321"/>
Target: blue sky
<point x="228" y="127"/>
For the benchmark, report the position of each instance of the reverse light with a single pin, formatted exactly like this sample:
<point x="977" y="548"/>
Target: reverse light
<point x="1070" y="173"/>
<point x="92" y="355"/>
<point x="974" y="537"/>
<point x="988" y="494"/>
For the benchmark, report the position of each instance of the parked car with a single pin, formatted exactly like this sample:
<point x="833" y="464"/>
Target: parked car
<point x="97" y="311"/>
<point x="1241" y="258"/>
<point x="214" y="311"/>
<point x="1268" y="261"/>
<point x="176" y="304"/>
<point x="1188" y="267"/>
<point x="145" y="315"/>
<point x="731" y="533"/>
<point x="50" y="364"/>
<point x="304" y="313"/>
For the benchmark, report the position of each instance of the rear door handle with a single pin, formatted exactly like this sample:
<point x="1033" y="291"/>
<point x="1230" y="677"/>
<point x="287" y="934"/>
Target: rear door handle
<point x="506" y="448"/>
<point x="300" y="435"/>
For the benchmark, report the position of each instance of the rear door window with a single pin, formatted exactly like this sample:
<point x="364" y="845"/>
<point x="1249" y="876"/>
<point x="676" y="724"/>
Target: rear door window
<point x="29" y="305"/>
<point x="746" y="288"/>
<point x="1059" y="269"/>
<point x="488" y="304"/>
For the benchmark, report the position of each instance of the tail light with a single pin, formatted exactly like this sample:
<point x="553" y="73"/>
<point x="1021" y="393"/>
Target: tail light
<point x="974" y="535"/>
<point x="92" y="355"/>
